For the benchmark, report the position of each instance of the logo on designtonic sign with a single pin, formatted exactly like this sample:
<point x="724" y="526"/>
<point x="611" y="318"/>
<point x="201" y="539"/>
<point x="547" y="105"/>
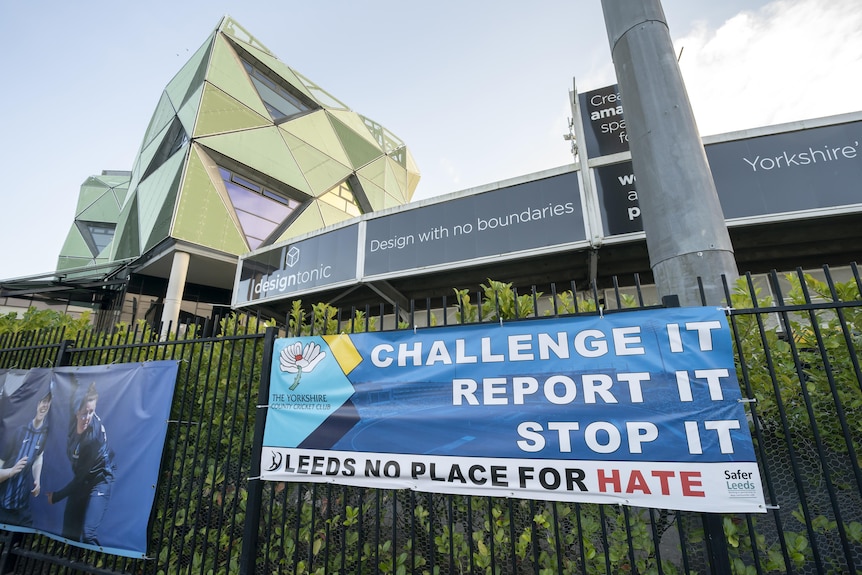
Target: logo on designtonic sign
<point x="284" y="279"/>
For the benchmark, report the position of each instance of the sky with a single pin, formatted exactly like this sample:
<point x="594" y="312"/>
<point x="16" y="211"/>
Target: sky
<point x="479" y="90"/>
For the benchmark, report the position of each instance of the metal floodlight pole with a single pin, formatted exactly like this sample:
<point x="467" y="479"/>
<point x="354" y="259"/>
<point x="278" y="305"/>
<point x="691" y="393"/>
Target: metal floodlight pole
<point x="685" y="229"/>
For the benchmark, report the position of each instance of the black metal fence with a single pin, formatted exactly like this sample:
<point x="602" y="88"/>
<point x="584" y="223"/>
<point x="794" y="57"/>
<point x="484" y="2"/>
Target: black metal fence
<point x="797" y="342"/>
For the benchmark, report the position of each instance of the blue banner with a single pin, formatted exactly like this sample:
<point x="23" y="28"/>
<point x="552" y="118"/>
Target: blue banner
<point x="638" y="408"/>
<point x="80" y="449"/>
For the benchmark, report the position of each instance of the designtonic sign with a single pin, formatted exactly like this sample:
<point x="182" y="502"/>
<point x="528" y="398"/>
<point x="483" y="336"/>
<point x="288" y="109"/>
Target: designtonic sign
<point x="290" y="269"/>
<point x="638" y="408"/>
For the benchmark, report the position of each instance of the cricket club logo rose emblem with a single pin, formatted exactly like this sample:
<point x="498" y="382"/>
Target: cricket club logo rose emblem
<point x="297" y="359"/>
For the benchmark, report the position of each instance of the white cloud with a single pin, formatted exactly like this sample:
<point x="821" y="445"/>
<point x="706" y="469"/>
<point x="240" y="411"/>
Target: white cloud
<point x="791" y="60"/>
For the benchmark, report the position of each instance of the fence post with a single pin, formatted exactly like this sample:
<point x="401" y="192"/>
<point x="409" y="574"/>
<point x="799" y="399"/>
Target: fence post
<point x="64" y="357"/>
<point x="716" y="544"/>
<point x="251" y="529"/>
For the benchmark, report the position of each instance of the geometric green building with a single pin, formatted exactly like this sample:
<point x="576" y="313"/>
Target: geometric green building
<point x="88" y="242"/>
<point x="241" y="152"/>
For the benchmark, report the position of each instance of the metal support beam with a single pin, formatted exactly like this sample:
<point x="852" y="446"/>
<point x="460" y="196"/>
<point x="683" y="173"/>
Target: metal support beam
<point x="396" y="298"/>
<point x="251" y="529"/>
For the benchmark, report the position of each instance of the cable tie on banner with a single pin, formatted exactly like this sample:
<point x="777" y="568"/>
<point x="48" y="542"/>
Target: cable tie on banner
<point x="601" y="312"/>
<point x="261" y="406"/>
<point x="727" y="308"/>
<point x="771" y="507"/>
<point x="414" y="329"/>
<point x="747" y="400"/>
<point x="258" y="478"/>
<point x="501" y="321"/>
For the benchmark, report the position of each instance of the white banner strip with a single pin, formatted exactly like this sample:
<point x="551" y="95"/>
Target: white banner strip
<point x="725" y="487"/>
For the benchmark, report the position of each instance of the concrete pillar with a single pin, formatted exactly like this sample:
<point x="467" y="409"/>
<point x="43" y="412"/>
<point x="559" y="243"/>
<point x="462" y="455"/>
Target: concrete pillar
<point x="174" y="296"/>
<point x="685" y="229"/>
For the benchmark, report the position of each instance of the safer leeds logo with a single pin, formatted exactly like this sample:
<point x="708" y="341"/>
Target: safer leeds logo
<point x="740" y="483"/>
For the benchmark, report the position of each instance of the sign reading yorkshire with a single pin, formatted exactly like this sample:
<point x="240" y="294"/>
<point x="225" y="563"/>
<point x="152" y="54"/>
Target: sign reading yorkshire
<point x="639" y="408"/>
<point x="811" y="169"/>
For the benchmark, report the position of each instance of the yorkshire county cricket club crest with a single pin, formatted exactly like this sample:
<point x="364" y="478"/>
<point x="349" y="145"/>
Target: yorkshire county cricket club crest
<point x="308" y="384"/>
<point x="294" y="359"/>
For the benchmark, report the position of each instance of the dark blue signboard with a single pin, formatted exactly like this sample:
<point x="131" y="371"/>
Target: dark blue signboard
<point x="313" y="263"/>
<point x="604" y="124"/>
<point x="537" y="214"/>
<point x="788" y="172"/>
<point x="802" y="170"/>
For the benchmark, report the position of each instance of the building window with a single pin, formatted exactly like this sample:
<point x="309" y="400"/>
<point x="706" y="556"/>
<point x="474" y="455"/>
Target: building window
<point x="341" y="197"/>
<point x="97" y="235"/>
<point x="174" y="139"/>
<point x="259" y="209"/>
<point x="279" y="101"/>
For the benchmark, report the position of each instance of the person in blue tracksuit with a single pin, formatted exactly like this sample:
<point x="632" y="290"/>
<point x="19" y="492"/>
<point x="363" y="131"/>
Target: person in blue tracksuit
<point x="89" y="490"/>
<point x="21" y="467"/>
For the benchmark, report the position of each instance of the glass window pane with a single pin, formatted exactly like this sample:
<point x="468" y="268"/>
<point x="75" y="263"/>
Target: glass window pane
<point x="274" y="102"/>
<point x="101" y="235"/>
<point x="253" y="243"/>
<point x="243" y="182"/>
<point x="253" y="226"/>
<point x="292" y="204"/>
<point x="260" y="212"/>
<point x="248" y="201"/>
<point x="278" y="99"/>
<point x="266" y="81"/>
